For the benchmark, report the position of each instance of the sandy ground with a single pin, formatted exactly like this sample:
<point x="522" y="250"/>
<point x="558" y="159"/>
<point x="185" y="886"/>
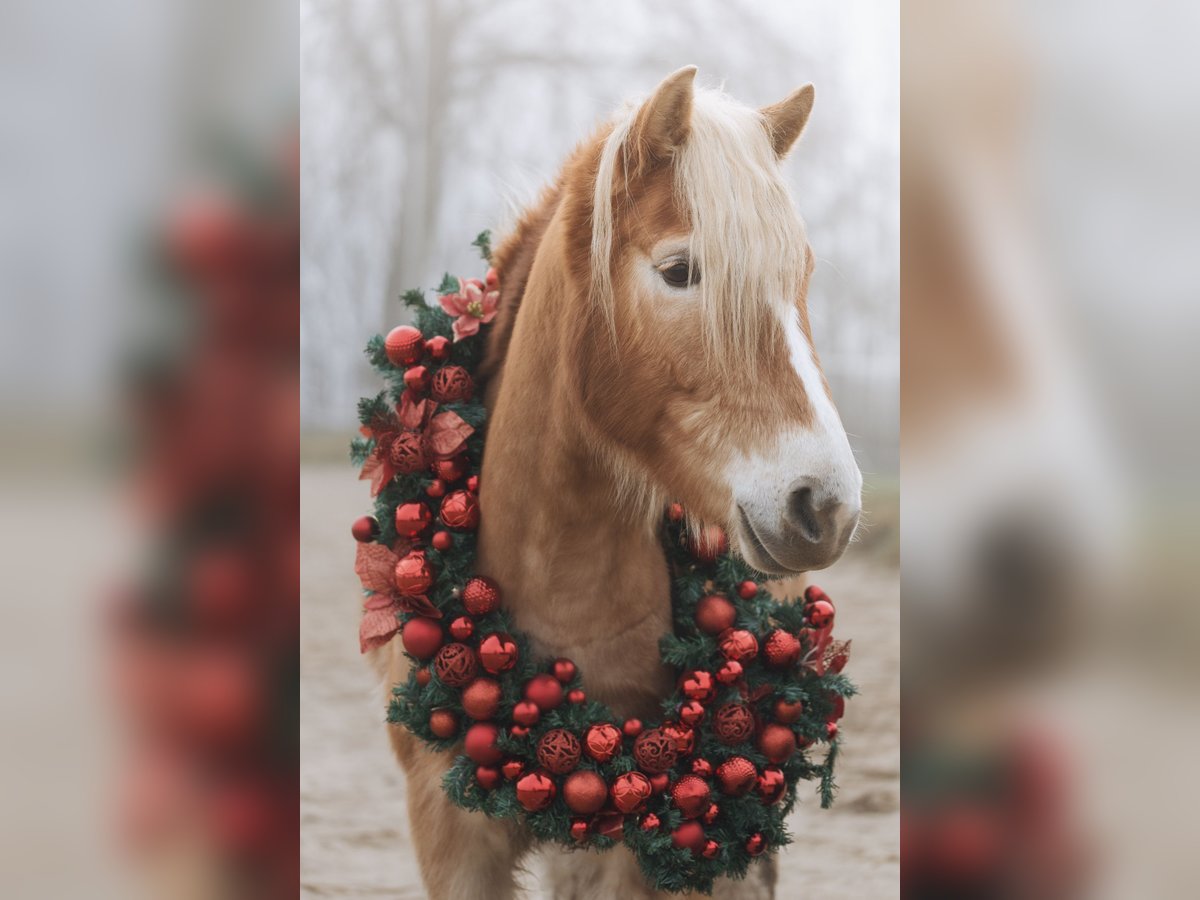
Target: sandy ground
<point x="355" y="840"/>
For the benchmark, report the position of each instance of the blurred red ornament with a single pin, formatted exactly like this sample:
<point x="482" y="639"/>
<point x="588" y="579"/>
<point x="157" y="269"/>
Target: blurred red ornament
<point x="756" y="844"/>
<point x="601" y="742"/>
<point x="436" y="489"/>
<point x="498" y="652"/>
<point x="831" y="730"/>
<point x="481" y="698"/>
<point x="526" y="713"/>
<point x="584" y="792"/>
<point x="771" y="785"/>
<point x="610" y="824"/>
<point x="407" y="453"/>
<point x="414" y="576"/>
<point x="545" y="691"/>
<point x="654" y="751"/>
<point x="788" y="712"/>
<point x="730" y="671"/>
<point x="819" y="614"/>
<point x="450" y="470"/>
<point x="714" y="614"/>
<point x="650" y="822"/>
<point x="733" y="723"/>
<point x="404" y="345"/>
<point x="456" y="664"/>
<point x="488" y="777"/>
<point x="738" y="644"/>
<point x="576" y="696"/>
<point x="492" y="279"/>
<point x="412" y="519"/>
<point x="421" y="637"/>
<point x="812" y="594"/>
<point x="443" y="723"/>
<point x="558" y="751"/>
<point x="441" y="541"/>
<point x="438" y="348"/>
<point x="629" y="791"/>
<point x="838" y="704"/>
<point x="691" y="712"/>
<point x="710" y="814"/>
<point x="702" y="767"/>
<point x="708" y="544"/>
<point x="416" y="380"/>
<point x="518" y="731"/>
<point x="535" y="791"/>
<point x="564" y="670"/>
<point x="632" y="727"/>
<point x="452" y="384"/>
<point x="481" y="595"/>
<point x="697" y="685"/>
<point x="777" y="742"/>
<point x="462" y="628"/>
<point x="747" y="590"/>
<point x="689" y="836"/>
<point x="473" y="484"/>
<point x="512" y="769"/>
<point x="364" y="529"/>
<point x="460" y="511"/>
<point x="690" y="794"/>
<point x="423" y="676"/>
<point x="659" y="782"/>
<point x="480" y="744"/>
<point x="736" y="776"/>
<point x="782" y="649"/>
<point x="711" y="849"/>
<point x="675" y="512"/>
<point x="579" y="828"/>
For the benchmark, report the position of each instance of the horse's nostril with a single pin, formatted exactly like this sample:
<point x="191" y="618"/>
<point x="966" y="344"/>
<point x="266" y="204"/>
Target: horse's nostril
<point x="803" y="514"/>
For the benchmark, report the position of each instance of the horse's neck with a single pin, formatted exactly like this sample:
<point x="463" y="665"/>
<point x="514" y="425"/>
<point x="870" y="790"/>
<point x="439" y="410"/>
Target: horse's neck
<point x="578" y="575"/>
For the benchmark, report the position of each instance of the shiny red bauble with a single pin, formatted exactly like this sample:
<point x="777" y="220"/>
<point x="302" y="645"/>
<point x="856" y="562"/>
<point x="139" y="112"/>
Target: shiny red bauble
<point x="441" y="541"/>
<point x="632" y="727"/>
<point x="564" y="670"/>
<point x="544" y="690"/>
<point x="683" y="737"/>
<point x="584" y="792"/>
<point x="421" y="637"/>
<point x="404" y="345"/>
<point x="710" y="814"/>
<point x="438" y="348"/>
<point x="650" y="822"/>
<point x="733" y="723"/>
<point x="456" y="664"/>
<point x="690" y="794"/>
<point x="737" y="776"/>
<point x="365" y="529"/>
<point x="498" y="652"/>
<point x="838" y="707"/>
<point x="452" y="384"/>
<point x="689" y="836"/>
<point x="710" y="850"/>
<point x="412" y="519"/>
<point x="481" y="698"/>
<point x="675" y="512"/>
<point x="702" y="767"/>
<point x="756" y="844"/>
<point x="481" y="595"/>
<point x="450" y="470"/>
<point x="691" y="712"/>
<point x="512" y="769"/>
<point x="579" y="830"/>
<point x="576" y="696"/>
<point x="526" y="713"/>
<point x="777" y="743"/>
<point x="436" y="489"/>
<point x="558" y="751"/>
<point x="708" y="544"/>
<point x="414" y="575"/>
<point x="602" y="741"/>
<point x="492" y="279"/>
<point x="698" y="685"/>
<point x="654" y="751"/>
<point x="461" y="628"/>
<point x="416" y="380"/>
<point x="408" y="454"/>
<point x="730" y="671"/>
<point x="629" y="791"/>
<point x="480" y="744"/>
<point x="443" y="723"/>
<point x="819" y="614"/>
<point x="460" y="511"/>
<point x="788" y="712"/>
<point x="771" y="785"/>
<point x="610" y="824"/>
<point x="738" y="644"/>
<point x="423" y="676"/>
<point x="535" y="791"/>
<point x="473" y="484"/>
<point x="714" y="614"/>
<point x="782" y="649"/>
<point x="747" y="590"/>
<point x="488" y="777"/>
<point x="831" y="730"/>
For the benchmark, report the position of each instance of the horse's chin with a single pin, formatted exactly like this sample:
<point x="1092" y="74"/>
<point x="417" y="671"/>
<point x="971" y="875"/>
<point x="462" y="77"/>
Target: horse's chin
<point x="775" y="556"/>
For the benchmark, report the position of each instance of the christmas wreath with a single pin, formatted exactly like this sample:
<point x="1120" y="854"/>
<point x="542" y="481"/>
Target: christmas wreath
<point x="760" y="689"/>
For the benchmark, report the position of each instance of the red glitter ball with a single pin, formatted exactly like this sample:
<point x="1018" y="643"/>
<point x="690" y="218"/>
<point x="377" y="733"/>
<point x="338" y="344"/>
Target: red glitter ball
<point x="481" y="595"/>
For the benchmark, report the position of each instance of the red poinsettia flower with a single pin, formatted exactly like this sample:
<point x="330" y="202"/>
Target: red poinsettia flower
<point x="442" y="435"/>
<point x="375" y="566"/>
<point x="472" y="306"/>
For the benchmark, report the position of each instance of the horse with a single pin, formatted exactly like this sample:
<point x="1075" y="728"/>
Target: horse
<point x="652" y="345"/>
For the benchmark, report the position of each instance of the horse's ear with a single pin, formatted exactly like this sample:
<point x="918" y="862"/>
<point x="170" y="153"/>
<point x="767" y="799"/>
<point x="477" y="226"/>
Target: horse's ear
<point x="785" y="119"/>
<point x="663" y="122"/>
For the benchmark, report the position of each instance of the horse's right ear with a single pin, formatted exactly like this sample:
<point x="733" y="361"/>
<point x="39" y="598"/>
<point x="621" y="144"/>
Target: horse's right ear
<point x="663" y="122"/>
<point x="786" y="119"/>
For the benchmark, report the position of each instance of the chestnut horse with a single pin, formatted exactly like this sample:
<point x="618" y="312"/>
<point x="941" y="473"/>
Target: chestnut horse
<point x="652" y="345"/>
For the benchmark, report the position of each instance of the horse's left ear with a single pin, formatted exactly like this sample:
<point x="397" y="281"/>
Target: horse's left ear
<point x="664" y="121"/>
<point x="786" y="119"/>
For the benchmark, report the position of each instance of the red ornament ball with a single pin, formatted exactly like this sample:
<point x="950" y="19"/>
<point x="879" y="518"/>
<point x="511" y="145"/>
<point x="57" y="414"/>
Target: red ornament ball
<point x="659" y="782"/>
<point x="492" y="279"/>
<point x="747" y="590"/>
<point x="771" y="785"/>
<point x="564" y="670"/>
<point x="689" y="836"/>
<point x="777" y="743"/>
<point x="473" y="484"/>
<point x="733" y="723"/>
<point x="438" y="348"/>
<point x="518" y="731"/>
<point x="691" y="712"/>
<point x="412" y="519"/>
<point x="675" y="512"/>
<point x="413" y="575"/>
<point x="545" y="691"/>
<point x="584" y="792"/>
<point x="416" y="380"/>
<point x="441" y="541"/>
<point x="535" y="791"/>
<point x="756" y="844"/>
<point x="650" y="822"/>
<point x="512" y="769"/>
<point x="711" y="849"/>
<point x="782" y="649"/>
<point x="708" y="544"/>
<point x="714" y="614"/>
<point x="526" y="713"/>
<point x="436" y="489"/>
<point x="462" y="628"/>
<point x="690" y="794"/>
<point x="407" y="453"/>
<point x="481" y="595"/>
<point x="498" y="652"/>
<point x="837" y="707"/>
<point x="558" y="751"/>
<point x="683" y="737"/>
<point x="450" y="470"/>
<point x="423" y="676"/>
<point x="481" y="698"/>
<point x="579" y="829"/>
<point x="404" y="345"/>
<point x="480" y="744"/>
<point x="456" y="664"/>
<point x="611" y="825"/>
<point x="365" y="529"/>
<point x="819" y="614"/>
<point x="788" y="712"/>
<point x="831" y="730"/>
<point x="452" y="384"/>
<point x="460" y="511"/>
<point x="601" y="742"/>
<point x="737" y="776"/>
<point x="702" y="767"/>
<point x="698" y="685"/>
<point x="576" y="696"/>
<point x="629" y="791"/>
<point x="730" y="671"/>
<point x="421" y="637"/>
<point x="488" y="777"/>
<point x="632" y="727"/>
<point x="738" y="644"/>
<point x="710" y="814"/>
<point x="443" y="723"/>
<point x="654" y="751"/>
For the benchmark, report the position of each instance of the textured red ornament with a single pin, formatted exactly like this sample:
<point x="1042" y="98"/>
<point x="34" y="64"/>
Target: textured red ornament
<point x="782" y="649"/>
<point x="702" y="767"/>
<point x="462" y="628"/>
<point x="456" y="664"/>
<point x="738" y="644"/>
<point x="576" y="696"/>
<point x="481" y="698"/>
<point x="481" y="595"/>
<point x="733" y="723"/>
<point x="710" y="543"/>
<point x="488" y="777"/>
<point x="690" y="794"/>
<point x="689" y="836"/>
<point x="423" y="676"/>
<point x="747" y="590"/>
<point x="416" y="380"/>
<point x="512" y="769"/>
<point x="452" y="384"/>
<point x="443" y="723"/>
<point x="450" y="470"/>
<point x="691" y="712"/>
<point x="413" y="574"/>
<point x="438" y="348"/>
<point x="756" y="844"/>
<point x="460" y="511"/>
<point x="698" y="685"/>
<point x="654" y="751"/>
<point x="819" y="614"/>
<point x="480" y="744"/>
<point x="632" y="727"/>
<point x="404" y="345"/>
<point x="584" y="792"/>
<point x="777" y="743"/>
<point x="421" y="637"/>
<point x="441" y="541"/>
<point x="601" y="742"/>
<point x="412" y="519"/>
<point x="711" y="849"/>
<point x="714" y="614"/>
<point x="526" y="713"/>
<point x="730" y="671"/>
<point x="436" y="489"/>
<point x="629" y="791"/>
<point x="558" y="751"/>
<point x="736" y="776"/>
<point x="564" y="670"/>
<point x="545" y="691"/>
<point x="788" y="712"/>
<point x="771" y="785"/>
<point x="683" y="737"/>
<point x="579" y="829"/>
<point x="364" y="529"/>
<point x="535" y="791"/>
<point x="498" y="652"/>
<point x="408" y="454"/>
<point x="611" y="825"/>
<point x="650" y="822"/>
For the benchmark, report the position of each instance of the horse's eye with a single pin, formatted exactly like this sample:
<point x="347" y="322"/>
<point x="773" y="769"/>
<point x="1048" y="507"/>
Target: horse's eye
<point x="680" y="274"/>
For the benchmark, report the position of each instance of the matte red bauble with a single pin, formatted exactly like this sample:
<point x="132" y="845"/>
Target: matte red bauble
<point x="498" y="652"/>
<point x="838" y="703"/>
<point x="526" y="713"/>
<point x="535" y="791"/>
<point x="629" y="791"/>
<point x="711" y="849"/>
<point x="423" y="676"/>
<point x="771" y="785"/>
<point x="738" y="644"/>
<point x="747" y="590"/>
<point x="579" y="830"/>
<point x="512" y="769"/>
<point x="461" y="628"/>
<point x="564" y="670"/>
<point x="416" y="380"/>
<point x="820" y="614"/>
<point x="576" y="696"/>
<point x="654" y="751"/>
<point x="558" y="751"/>
<point x="632" y="727"/>
<point x="736" y="776"/>
<point x="698" y="685"/>
<point x="788" y="712"/>
<point x="481" y="595"/>
<point x="690" y="795"/>
<point x="831" y="730"/>
<point x="730" y="671"/>
<point x="441" y="541"/>
<point x="601" y="742"/>
<point x="481" y="698"/>
<point x="733" y="723"/>
<point x="782" y="649"/>
<point x="460" y="511"/>
<point x="714" y="614"/>
<point x="421" y="637"/>
<point x="650" y="822"/>
<point x="518" y="731"/>
<point x="443" y="723"/>
<point x="689" y="836"/>
<point x="545" y="691"/>
<point x="364" y="529"/>
<point x="777" y="743"/>
<point x="452" y="384"/>
<point x="488" y="777"/>
<point x="473" y="484"/>
<point x="702" y="767"/>
<point x="659" y="782"/>
<point x="708" y="544"/>
<point x="412" y="519"/>
<point x="404" y="345"/>
<point x="584" y="792"/>
<point x="456" y="664"/>
<point x="414" y="575"/>
<point x="691" y="712"/>
<point x="436" y="489"/>
<point x="438" y="348"/>
<point x="756" y="844"/>
<point x="480" y="744"/>
<point x="450" y="470"/>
